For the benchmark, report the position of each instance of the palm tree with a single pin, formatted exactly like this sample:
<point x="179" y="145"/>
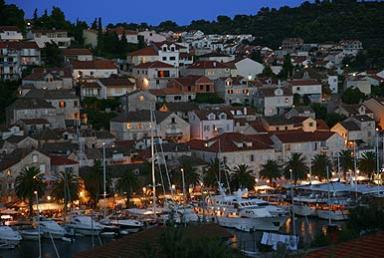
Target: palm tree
<point x="27" y="183"/>
<point x="367" y="163"/>
<point x="211" y="174"/>
<point x="192" y="178"/>
<point x="297" y="164"/>
<point x="128" y="183"/>
<point x="270" y="170"/>
<point x="319" y="165"/>
<point x="346" y="161"/>
<point x="242" y="177"/>
<point x="67" y="188"/>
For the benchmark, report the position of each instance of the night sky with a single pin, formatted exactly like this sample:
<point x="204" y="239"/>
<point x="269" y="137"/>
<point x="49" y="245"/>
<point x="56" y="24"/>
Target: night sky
<point x="150" y="11"/>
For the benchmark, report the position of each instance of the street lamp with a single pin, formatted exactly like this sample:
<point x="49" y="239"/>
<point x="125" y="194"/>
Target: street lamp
<point x="105" y="179"/>
<point x="183" y="178"/>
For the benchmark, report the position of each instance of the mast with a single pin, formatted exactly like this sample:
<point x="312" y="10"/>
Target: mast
<point x="329" y="199"/>
<point x="292" y="208"/>
<point x="153" y="167"/>
<point x="355" y="167"/>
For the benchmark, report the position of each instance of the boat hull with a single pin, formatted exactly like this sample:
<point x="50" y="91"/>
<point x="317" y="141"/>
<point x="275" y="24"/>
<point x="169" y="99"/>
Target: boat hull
<point x="333" y="215"/>
<point x="252" y="224"/>
<point x="87" y="231"/>
<point x="304" y="211"/>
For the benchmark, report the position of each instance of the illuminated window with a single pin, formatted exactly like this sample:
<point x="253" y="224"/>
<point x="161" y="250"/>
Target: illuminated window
<point x="141" y="98"/>
<point x="62" y="104"/>
<point x="129" y="126"/>
<point x="35" y="158"/>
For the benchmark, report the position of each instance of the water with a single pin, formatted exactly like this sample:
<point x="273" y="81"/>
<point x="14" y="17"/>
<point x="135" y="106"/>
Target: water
<point x="30" y="248"/>
<point x="307" y="230"/>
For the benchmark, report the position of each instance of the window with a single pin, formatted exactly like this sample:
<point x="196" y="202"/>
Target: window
<point x="173" y="120"/>
<point x="62" y="104"/>
<point x="311" y="124"/>
<point x="164" y="58"/>
<point x="163" y="74"/>
<point x="157" y="82"/>
<point x="141" y="98"/>
<point x="35" y="158"/>
<point x="129" y="125"/>
<point x="206" y="128"/>
<point x="252" y="158"/>
<point x="75" y="103"/>
<point x="298" y="88"/>
<point x="201" y="87"/>
<point x="172" y="58"/>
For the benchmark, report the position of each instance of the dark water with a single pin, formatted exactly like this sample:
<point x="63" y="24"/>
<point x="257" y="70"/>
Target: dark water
<point x="30" y="248"/>
<point x="306" y="228"/>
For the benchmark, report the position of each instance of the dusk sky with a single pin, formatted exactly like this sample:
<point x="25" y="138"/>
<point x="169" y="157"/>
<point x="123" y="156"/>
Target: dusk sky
<point x="150" y="11"/>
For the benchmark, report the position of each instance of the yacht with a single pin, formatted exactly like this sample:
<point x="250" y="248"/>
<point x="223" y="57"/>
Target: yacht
<point x="51" y="228"/>
<point x="335" y="210"/>
<point x="9" y="238"/>
<point x="125" y="225"/>
<point x="30" y="234"/>
<point x="234" y="211"/>
<point x="85" y="225"/>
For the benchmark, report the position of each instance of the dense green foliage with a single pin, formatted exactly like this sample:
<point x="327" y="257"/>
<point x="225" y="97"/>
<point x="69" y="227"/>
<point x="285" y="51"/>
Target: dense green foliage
<point x="319" y="166"/>
<point x="128" y="184"/>
<point x="100" y="111"/>
<point x="352" y="96"/>
<point x="10" y="14"/>
<point x="210" y="98"/>
<point x="52" y="55"/>
<point x="8" y="94"/>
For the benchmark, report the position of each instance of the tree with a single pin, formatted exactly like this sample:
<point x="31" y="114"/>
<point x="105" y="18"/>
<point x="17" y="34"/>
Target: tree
<point x="256" y="56"/>
<point x="211" y="174"/>
<point x="267" y="72"/>
<point x="346" y="162"/>
<point x="270" y="170"/>
<point x="67" y="188"/>
<point x="93" y="181"/>
<point x="287" y="70"/>
<point x="242" y="177"/>
<point x="297" y="164"/>
<point x="128" y="183"/>
<point x="8" y="94"/>
<point x="367" y="163"/>
<point x="192" y="178"/>
<point x="27" y="183"/>
<point x="352" y="96"/>
<point x="319" y="166"/>
<point x="333" y="118"/>
<point x="53" y="56"/>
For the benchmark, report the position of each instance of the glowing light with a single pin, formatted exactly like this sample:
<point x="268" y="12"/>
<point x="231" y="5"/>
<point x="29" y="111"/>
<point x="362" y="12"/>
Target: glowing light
<point x="49" y="197"/>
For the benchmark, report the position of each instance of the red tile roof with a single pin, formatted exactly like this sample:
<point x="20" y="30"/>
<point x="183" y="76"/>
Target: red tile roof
<point x="370" y="246"/>
<point x="301" y="82"/>
<point x="116" y="81"/>
<point x="62" y="161"/>
<point x="192" y="80"/>
<point x="232" y="142"/>
<point x="208" y="65"/>
<point x="95" y="64"/>
<point x="76" y="51"/>
<point x="300" y="136"/>
<point x="156" y="64"/>
<point x="19" y="45"/>
<point x="148" y="51"/>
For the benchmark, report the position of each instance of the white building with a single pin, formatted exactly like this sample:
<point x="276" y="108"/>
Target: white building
<point x="235" y="149"/>
<point x="93" y="69"/>
<point x="154" y="75"/>
<point x="10" y="33"/>
<point x="206" y="124"/>
<point x="274" y="100"/>
<point x="151" y="36"/>
<point x="248" y="68"/>
<point x="42" y="37"/>
<point x="308" y="88"/>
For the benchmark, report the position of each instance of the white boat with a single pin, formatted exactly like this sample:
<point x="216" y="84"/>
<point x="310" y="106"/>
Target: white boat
<point x="9" y="238"/>
<point x="85" y="225"/>
<point x="51" y="228"/>
<point x="304" y="210"/>
<point x="129" y="225"/>
<point x="31" y="234"/>
<point x="234" y="211"/>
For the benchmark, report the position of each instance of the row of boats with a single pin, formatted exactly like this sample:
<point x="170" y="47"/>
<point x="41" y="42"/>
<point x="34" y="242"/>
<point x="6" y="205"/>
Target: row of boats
<point x="237" y="210"/>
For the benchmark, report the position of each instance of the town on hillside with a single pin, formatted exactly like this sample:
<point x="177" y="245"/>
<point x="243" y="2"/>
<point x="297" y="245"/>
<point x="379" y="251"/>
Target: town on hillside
<point x="109" y="133"/>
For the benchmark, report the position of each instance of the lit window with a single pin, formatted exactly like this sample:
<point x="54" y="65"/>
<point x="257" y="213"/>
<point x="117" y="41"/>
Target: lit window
<point x="35" y="158"/>
<point x="62" y="104"/>
<point x="141" y="98"/>
<point x="129" y="126"/>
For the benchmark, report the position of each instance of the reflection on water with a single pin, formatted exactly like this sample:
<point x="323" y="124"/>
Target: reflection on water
<point x="306" y="228"/>
<point x="30" y="249"/>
